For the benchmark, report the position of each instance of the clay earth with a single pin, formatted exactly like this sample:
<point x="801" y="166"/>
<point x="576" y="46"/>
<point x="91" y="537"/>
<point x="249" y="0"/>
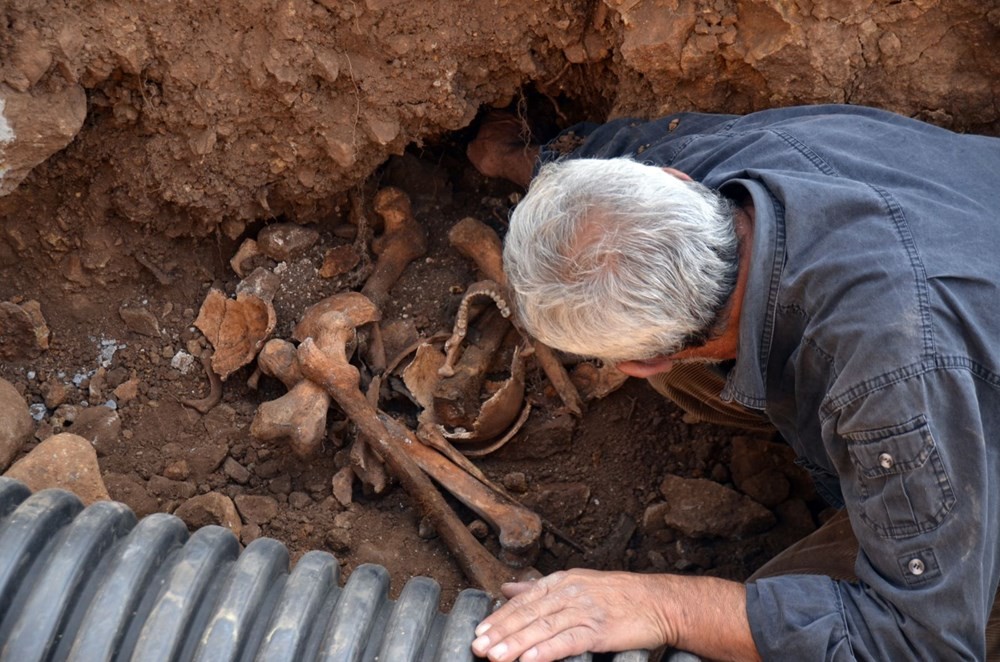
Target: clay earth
<point x="142" y="144"/>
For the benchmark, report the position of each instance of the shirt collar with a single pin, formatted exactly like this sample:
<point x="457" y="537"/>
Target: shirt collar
<point x="746" y="382"/>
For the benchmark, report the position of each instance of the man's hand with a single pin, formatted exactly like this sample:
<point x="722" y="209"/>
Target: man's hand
<point x="568" y="613"/>
<point x="502" y="149"/>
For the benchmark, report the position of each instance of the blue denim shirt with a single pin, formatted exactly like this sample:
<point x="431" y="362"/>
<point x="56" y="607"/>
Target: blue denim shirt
<point x="870" y="336"/>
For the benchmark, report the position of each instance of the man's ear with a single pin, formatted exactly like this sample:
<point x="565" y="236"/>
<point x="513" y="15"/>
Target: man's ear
<point x="647" y="368"/>
<point x="677" y="173"/>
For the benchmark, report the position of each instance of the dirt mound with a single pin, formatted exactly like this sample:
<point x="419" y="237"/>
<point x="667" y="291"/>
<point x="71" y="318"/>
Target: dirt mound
<point x="221" y="114"/>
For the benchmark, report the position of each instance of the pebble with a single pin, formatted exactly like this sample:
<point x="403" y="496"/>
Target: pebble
<point x="343" y="486"/>
<point x="338" y="540"/>
<point x="177" y="470"/>
<point x="206" y="458"/>
<point x="516" y="482"/>
<point x="208" y="509"/>
<point x="23" y="331"/>
<point x="250" y="533"/>
<point x="285" y="241"/>
<point x="66" y="461"/>
<point x="16" y="423"/>
<point x="701" y="508"/>
<point x="236" y="471"/>
<point x="426" y="529"/>
<point x="140" y="321"/>
<point x="165" y="488"/>
<point x="132" y="493"/>
<point x="127" y="391"/>
<point x="55" y="393"/>
<point x="281" y="485"/>
<point x="299" y="500"/>
<point x="257" y="509"/>
<point x="101" y="426"/>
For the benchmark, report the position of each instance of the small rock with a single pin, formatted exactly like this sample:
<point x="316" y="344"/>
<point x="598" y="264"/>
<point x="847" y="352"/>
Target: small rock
<point x="132" y="493"/>
<point x="247" y="250"/>
<point x="700" y="508"/>
<point x="100" y="426"/>
<point x="653" y="517"/>
<point x="171" y="489"/>
<point x="63" y="416"/>
<point x="95" y="390"/>
<point x="177" y="470"/>
<point x="281" y="485"/>
<point x="516" y="482"/>
<point x="236" y="471"/>
<point x="23" y="332"/>
<point x="182" y="362"/>
<point x="65" y="461"/>
<point x="55" y="393"/>
<point x="205" y="459"/>
<point x="207" y="509"/>
<point x="127" y="391"/>
<point x="344" y="520"/>
<point x="343" y="486"/>
<point x="257" y="509"/>
<point x="299" y="500"/>
<point x="268" y="468"/>
<point x="16" y="423"/>
<point x="286" y="241"/>
<point x="37" y="411"/>
<point x="338" y="540"/>
<point x="140" y="320"/>
<point x="338" y="261"/>
<point x="250" y="533"/>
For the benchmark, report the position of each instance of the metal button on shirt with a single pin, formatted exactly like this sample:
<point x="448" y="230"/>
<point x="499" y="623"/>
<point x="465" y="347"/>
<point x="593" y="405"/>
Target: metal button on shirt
<point x="885" y="461"/>
<point x="916" y="567"/>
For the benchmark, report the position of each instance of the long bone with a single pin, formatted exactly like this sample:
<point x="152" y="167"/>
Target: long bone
<point x="518" y="528"/>
<point x="323" y="358"/>
<point x="479" y="243"/>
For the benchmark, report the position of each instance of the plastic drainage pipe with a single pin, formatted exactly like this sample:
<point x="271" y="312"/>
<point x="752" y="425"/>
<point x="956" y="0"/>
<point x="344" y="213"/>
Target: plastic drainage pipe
<point x="93" y="584"/>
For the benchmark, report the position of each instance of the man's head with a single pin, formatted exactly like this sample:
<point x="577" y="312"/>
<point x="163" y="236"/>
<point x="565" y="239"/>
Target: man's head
<point x="619" y="260"/>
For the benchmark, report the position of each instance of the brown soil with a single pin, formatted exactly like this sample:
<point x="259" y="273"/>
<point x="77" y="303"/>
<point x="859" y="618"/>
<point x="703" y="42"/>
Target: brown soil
<point x="205" y="124"/>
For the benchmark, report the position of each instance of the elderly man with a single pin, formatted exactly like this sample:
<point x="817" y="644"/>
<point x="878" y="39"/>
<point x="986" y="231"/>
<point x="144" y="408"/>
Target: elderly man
<point x="832" y="271"/>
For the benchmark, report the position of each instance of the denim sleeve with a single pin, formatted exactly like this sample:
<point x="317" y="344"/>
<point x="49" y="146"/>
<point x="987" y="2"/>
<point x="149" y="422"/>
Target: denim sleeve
<point x="918" y="464"/>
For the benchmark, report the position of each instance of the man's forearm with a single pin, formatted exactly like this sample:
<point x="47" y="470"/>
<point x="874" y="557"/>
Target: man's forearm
<point x="710" y="614"/>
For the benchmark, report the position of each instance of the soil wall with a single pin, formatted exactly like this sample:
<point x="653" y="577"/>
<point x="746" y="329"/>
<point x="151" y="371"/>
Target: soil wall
<point x="186" y="117"/>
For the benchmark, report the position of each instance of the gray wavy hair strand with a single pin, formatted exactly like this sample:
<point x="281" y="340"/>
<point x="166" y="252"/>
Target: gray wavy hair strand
<point x="620" y="260"/>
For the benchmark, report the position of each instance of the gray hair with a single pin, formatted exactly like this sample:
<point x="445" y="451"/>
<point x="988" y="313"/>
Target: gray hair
<point x="620" y="260"/>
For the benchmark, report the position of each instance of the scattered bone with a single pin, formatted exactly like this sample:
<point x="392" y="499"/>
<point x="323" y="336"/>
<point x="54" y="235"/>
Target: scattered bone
<point x="236" y="328"/>
<point x="421" y="375"/>
<point x="23" y="331"/>
<point x="479" y="243"/>
<point x="482" y="289"/>
<point x="161" y="276"/>
<point x="368" y="466"/>
<point x="324" y="359"/>
<point x="456" y="397"/>
<point x="214" y="396"/>
<point x="297" y="418"/>
<point x="339" y="261"/>
<point x="247" y="251"/>
<point x="278" y="359"/>
<point x="402" y="241"/>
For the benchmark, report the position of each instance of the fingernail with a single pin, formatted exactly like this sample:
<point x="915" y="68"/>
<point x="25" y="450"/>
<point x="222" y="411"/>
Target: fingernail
<point x="483" y="628"/>
<point x="498" y="651"/>
<point x="530" y="654"/>
<point x="480" y="645"/>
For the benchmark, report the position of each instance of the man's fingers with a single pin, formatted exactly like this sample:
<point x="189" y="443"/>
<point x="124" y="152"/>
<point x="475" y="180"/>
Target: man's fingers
<point x="514" y="589"/>
<point x="553" y="636"/>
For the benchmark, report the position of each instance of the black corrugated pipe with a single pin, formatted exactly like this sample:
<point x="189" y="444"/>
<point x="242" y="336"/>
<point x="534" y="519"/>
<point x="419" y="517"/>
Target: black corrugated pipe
<point x="93" y="584"/>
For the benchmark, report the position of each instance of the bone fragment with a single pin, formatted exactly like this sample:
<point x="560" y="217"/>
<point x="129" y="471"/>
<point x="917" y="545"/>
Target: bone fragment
<point x="402" y="241"/>
<point x="214" y="396"/>
<point x="480" y="243"/>
<point x="297" y="418"/>
<point x="324" y="360"/>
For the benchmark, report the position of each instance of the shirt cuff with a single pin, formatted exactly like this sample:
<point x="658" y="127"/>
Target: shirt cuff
<point x="798" y="617"/>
